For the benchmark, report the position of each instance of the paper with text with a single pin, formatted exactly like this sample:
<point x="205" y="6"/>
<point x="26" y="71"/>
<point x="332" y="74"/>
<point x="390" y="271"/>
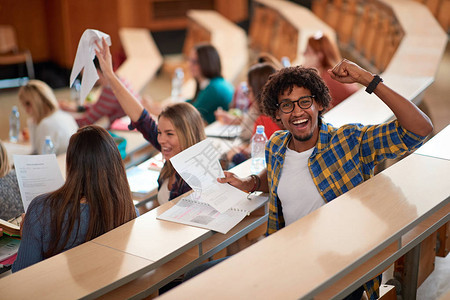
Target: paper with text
<point x="37" y="175"/>
<point x="199" y="166"/>
<point x="199" y="214"/>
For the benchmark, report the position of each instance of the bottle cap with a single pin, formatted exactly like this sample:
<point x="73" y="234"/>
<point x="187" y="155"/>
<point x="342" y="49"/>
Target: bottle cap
<point x="179" y="72"/>
<point x="260" y="129"/>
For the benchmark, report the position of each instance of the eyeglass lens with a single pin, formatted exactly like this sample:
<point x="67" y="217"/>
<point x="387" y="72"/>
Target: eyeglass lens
<point x="304" y="102"/>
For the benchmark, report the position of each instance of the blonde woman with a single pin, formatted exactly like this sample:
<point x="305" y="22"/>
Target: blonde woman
<point x="45" y="118"/>
<point x="179" y="126"/>
<point x="10" y="201"/>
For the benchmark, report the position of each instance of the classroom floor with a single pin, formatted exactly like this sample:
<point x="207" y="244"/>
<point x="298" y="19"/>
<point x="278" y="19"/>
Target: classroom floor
<point x="436" y="104"/>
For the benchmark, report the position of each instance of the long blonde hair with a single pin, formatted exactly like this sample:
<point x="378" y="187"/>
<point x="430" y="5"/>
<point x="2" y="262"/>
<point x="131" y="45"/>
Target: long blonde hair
<point x="5" y="166"/>
<point x="40" y="97"/>
<point x="189" y="127"/>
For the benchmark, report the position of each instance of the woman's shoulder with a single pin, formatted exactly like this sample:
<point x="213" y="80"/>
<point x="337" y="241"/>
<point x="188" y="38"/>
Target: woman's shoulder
<point x="221" y="85"/>
<point x="38" y="203"/>
<point x="220" y="81"/>
<point x="55" y="121"/>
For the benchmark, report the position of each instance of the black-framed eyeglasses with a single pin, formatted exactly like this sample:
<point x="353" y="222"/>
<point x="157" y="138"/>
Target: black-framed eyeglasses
<point x="287" y="106"/>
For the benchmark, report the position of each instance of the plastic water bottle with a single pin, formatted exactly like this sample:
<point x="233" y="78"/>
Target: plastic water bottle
<point x="14" y="125"/>
<point x="75" y="91"/>
<point x="258" y="150"/>
<point x="241" y="97"/>
<point x="48" y="147"/>
<point x="285" y="61"/>
<point x="177" y="83"/>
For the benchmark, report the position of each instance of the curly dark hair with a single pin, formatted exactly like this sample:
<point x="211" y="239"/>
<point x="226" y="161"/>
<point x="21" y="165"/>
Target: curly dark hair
<point x="286" y="79"/>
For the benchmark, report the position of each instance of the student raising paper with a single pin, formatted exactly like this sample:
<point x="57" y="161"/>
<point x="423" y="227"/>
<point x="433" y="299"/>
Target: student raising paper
<point x="179" y="127"/>
<point x="94" y="199"/>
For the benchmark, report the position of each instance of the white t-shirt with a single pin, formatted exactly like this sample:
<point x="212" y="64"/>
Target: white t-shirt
<point x="59" y="126"/>
<point x="164" y="193"/>
<point x="297" y="192"/>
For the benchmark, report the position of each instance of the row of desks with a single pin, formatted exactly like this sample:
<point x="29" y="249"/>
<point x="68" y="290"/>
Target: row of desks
<point x="335" y="249"/>
<point x="140" y="247"/>
<point x="393" y="212"/>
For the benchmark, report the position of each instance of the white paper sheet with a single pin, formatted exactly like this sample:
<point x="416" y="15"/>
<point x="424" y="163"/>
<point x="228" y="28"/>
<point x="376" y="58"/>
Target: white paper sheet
<point x="199" y="214"/>
<point x="199" y="166"/>
<point x="36" y="175"/>
<point x="202" y="215"/>
<point x="85" y="59"/>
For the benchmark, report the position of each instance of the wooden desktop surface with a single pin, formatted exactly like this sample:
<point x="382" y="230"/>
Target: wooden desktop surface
<point x="73" y="274"/>
<point x="322" y="247"/>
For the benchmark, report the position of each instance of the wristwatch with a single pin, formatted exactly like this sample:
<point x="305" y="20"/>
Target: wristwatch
<point x="373" y="84"/>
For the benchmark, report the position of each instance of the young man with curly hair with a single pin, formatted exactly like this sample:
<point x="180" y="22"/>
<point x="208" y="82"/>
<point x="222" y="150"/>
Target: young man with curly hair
<point x="327" y="161"/>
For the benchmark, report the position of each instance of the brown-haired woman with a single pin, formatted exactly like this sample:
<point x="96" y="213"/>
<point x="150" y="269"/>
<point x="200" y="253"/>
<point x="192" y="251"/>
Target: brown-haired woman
<point x="94" y="199"/>
<point x="179" y="126"/>
<point x="45" y="117"/>
<point x="212" y="91"/>
<point x="322" y="54"/>
<point x="10" y="202"/>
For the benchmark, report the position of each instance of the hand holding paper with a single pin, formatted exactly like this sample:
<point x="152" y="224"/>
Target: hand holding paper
<point x="84" y="59"/>
<point x="199" y="166"/>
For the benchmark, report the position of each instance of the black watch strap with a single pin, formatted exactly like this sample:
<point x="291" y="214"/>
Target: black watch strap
<point x="373" y="84"/>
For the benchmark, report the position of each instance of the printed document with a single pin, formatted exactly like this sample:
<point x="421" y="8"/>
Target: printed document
<point x="200" y="214"/>
<point x="199" y="166"/>
<point x="36" y="175"/>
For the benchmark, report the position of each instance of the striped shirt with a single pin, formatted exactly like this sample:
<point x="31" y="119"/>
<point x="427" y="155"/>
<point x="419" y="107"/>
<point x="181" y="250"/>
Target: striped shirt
<point x="342" y="159"/>
<point x="106" y="105"/>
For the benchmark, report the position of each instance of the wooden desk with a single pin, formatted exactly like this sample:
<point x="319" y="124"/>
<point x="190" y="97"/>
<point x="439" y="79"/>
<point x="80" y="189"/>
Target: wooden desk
<point x="85" y="270"/>
<point x="135" y="251"/>
<point x="17" y="148"/>
<point x="438" y="146"/>
<point x="324" y="246"/>
<point x="143" y="57"/>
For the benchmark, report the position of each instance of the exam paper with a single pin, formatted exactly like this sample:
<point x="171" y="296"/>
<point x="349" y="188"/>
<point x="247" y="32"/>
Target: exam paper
<point x="199" y="166"/>
<point x="85" y="59"/>
<point x="37" y="175"/>
<point x="202" y="215"/>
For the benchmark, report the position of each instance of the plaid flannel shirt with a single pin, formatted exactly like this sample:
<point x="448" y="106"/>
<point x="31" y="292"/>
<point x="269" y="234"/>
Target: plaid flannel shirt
<point x="342" y="159"/>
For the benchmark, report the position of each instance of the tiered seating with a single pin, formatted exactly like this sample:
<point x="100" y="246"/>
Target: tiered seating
<point x="229" y="39"/>
<point x="440" y="10"/>
<point x="369" y="30"/>
<point x="282" y="28"/>
<point x="143" y="57"/>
